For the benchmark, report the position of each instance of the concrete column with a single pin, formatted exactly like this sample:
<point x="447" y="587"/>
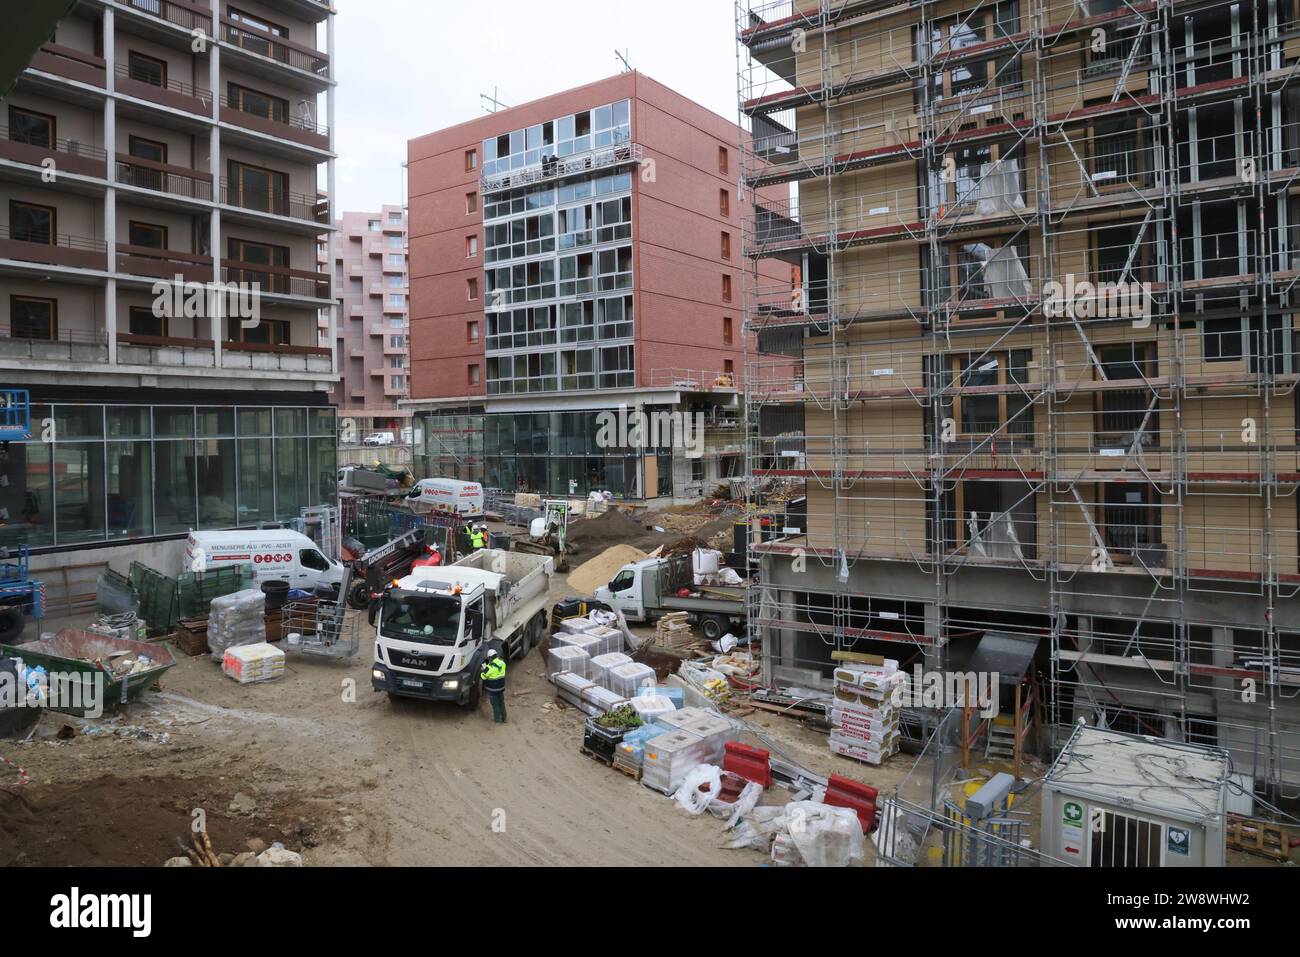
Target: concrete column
<point x="214" y="163"/>
<point x="110" y="194"/>
<point x="330" y="181"/>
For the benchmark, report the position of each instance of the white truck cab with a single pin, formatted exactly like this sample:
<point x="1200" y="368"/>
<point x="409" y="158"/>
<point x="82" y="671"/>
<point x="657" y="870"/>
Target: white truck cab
<point x="276" y="554"/>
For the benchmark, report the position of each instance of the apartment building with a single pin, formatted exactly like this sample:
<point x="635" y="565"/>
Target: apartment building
<point x="371" y="337"/>
<point x="151" y="141"/>
<point x="573" y="257"/>
<point x="1045" y="359"/>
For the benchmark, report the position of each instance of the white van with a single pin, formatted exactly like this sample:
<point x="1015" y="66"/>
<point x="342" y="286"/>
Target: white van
<point x="464" y="499"/>
<point x="276" y="554"/>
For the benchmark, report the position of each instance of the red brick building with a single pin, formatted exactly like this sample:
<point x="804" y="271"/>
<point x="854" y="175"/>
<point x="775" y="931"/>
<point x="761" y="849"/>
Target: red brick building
<point x="574" y="255"/>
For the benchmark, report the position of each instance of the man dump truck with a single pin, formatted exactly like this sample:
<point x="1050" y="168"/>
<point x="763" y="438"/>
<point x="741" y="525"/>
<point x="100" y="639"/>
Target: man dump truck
<point x="434" y="626"/>
<point x="645" y="590"/>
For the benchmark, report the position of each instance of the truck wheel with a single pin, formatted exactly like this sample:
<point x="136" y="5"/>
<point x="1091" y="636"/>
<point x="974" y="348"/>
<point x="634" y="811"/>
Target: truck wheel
<point x="475" y="694"/>
<point x="359" y="596"/>
<point x="714" y="627"/>
<point x="11" y="623"/>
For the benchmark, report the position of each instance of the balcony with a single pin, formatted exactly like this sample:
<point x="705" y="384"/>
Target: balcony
<point x="76" y="252"/>
<point x="275" y="48"/>
<point x="71" y="64"/>
<point x="189" y="16"/>
<point x="72" y="345"/>
<point x="554" y="168"/>
<point x="301" y="129"/>
<point x="175" y="94"/>
<point x="259" y="356"/>
<point x="314" y="209"/>
<point x="163" y="178"/>
<point x="69" y="156"/>
<point x="169" y="351"/>
<point x="163" y="263"/>
<point x="277" y="280"/>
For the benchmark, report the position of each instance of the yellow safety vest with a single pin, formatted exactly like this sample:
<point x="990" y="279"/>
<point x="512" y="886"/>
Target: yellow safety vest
<point x="496" y="668"/>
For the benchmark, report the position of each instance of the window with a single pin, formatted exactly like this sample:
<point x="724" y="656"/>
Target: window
<point x="724" y="202"/>
<point x="30" y="223"/>
<point x="1130" y="520"/>
<point x="471" y="289"/>
<point x="1128" y="415"/>
<point x="257" y="23"/>
<point x="396" y="300"/>
<point x="723" y="161"/>
<point x="31" y="318"/>
<point x="396" y="259"/>
<point x="35" y="129"/>
<point x="726" y="245"/>
<point x="992" y="395"/>
<point x="373" y="225"/>
<point x="726" y="288"/>
<point x="394" y="219"/>
<point x="471" y="160"/>
<point x="472" y="374"/>
<point x="261" y="259"/>
<point x="310" y="558"/>
<point x="1222" y="340"/>
<point x="471" y="204"/>
<point x="471" y="247"/>
<point x="143" y="322"/>
<point x="252" y="187"/>
<point x="729" y="366"/>
<point x="726" y="330"/>
<point x="471" y="331"/>
<point x="146" y="69"/>
<point x="147" y="235"/>
<point x="255" y="103"/>
<point x="268" y="332"/>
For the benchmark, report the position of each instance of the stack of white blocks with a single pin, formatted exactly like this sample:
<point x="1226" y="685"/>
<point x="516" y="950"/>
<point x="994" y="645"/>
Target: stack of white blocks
<point x="865" y="715"/>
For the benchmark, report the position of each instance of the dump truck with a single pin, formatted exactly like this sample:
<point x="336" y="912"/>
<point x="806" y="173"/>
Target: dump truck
<point x="434" y="626"/>
<point x="645" y="590"/>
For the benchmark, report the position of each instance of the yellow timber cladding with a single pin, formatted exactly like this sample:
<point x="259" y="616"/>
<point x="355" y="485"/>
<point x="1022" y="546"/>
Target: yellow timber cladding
<point x="1035" y="366"/>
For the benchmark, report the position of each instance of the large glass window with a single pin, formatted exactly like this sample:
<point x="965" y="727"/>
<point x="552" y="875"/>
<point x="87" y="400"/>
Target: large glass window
<point x="256" y="480"/>
<point x="174" y="497"/>
<point x="130" y="489"/>
<point x="79" y="492"/>
<point x="292" y="473"/>
<point x="215" y="468"/>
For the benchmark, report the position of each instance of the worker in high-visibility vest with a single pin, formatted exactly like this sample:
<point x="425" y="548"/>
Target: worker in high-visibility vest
<point x="494" y="683"/>
<point x="478" y="537"/>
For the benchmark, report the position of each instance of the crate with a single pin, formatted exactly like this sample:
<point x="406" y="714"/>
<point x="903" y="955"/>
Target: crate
<point x="601" y="743"/>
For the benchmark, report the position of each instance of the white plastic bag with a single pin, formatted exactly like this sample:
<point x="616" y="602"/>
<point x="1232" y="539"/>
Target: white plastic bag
<point x="744" y="803"/>
<point x="699" y="788"/>
<point x="825" y="836"/>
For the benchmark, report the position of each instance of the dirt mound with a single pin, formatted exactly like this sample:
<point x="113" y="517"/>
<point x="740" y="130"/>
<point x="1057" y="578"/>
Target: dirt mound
<point x="594" y="572"/>
<point x="614" y="528"/>
<point x="124" y="822"/>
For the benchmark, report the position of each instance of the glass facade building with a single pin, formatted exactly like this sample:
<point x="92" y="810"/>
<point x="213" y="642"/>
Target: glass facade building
<point x="108" y="474"/>
<point x="557" y="257"/>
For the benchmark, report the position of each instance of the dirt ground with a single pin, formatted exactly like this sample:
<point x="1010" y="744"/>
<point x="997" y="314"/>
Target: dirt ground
<point x="345" y="776"/>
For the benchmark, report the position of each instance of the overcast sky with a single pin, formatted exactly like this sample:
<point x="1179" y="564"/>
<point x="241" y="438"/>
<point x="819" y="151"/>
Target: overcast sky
<point x="409" y="67"/>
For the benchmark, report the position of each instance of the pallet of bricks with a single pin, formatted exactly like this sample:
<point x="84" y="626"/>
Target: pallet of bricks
<point x="673" y="632"/>
<point x="868" y="705"/>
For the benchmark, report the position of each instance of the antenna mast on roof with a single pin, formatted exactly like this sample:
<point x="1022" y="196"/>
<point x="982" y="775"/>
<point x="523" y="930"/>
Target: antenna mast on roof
<point x="622" y="58"/>
<point x="490" y="103"/>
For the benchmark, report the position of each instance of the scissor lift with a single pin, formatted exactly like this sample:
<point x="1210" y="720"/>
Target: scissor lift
<point x="19" y="594"/>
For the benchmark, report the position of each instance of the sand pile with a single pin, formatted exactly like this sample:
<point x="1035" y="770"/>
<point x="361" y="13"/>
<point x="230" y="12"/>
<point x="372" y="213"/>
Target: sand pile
<point x="594" y="572"/>
<point x="614" y="528"/>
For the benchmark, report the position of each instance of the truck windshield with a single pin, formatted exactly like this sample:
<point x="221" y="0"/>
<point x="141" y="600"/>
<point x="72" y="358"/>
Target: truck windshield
<point x="430" y="619"/>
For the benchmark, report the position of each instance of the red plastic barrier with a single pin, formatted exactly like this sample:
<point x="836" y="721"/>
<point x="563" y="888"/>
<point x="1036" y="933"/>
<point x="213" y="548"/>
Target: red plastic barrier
<point x="845" y="792"/>
<point x="752" y="764"/>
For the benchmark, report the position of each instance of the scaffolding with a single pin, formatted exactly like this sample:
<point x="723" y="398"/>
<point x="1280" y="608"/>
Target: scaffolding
<point x="1036" y="366"/>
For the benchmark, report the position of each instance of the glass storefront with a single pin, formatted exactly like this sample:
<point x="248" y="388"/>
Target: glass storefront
<point x="109" y="474"/>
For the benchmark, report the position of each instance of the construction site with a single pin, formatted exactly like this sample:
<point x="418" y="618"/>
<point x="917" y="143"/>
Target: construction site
<point x="1036" y="367"/>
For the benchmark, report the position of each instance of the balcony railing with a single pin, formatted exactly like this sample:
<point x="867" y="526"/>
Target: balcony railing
<point x="67" y="345"/>
<point x="163" y="178"/>
<point x="301" y="128"/>
<point x="187" y="15"/>
<point x="176" y="94"/>
<point x="277" y="280"/>
<point x="70" y="64"/>
<point x="69" y="156"/>
<point x="163" y="263"/>
<point x="63" y="249"/>
<point x="275" y="48"/>
<point x="555" y="167"/>
<point x="277" y="202"/>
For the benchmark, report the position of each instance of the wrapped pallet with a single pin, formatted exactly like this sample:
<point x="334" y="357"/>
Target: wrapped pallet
<point x="561" y="658"/>
<point x="628" y="679"/>
<point x="248" y="664"/>
<point x="601" y="665"/>
<point x="236" y="619"/>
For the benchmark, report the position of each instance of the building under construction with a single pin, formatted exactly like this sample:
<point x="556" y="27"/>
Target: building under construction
<point x="1036" y="369"/>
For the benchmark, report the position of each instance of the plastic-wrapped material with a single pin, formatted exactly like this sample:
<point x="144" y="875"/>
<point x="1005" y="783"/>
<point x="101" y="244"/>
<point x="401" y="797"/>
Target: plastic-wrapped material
<point x="569" y="687"/>
<point x="602" y="664"/>
<point x="712" y="729"/>
<point x="577" y="626"/>
<point x="825" y="836"/>
<point x="732" y="811"/>
<point x="601" y="698"/>
<point x="628" y="679"/>
<point x="592" y="646"/>
<point x="676" y="695"/>
<point x="668" y="758"/>
<point x="611" y="639"/>
<point x="699" y="788"/>
<point x="651" y="707"/>
<point x="236" y="619"/>
<point x="251" y="663"/>
<point x="562" y="658"/>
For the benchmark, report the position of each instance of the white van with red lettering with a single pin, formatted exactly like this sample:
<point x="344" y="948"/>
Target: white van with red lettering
<point x="463" y="499"/>
<point x="276" y="554"/>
